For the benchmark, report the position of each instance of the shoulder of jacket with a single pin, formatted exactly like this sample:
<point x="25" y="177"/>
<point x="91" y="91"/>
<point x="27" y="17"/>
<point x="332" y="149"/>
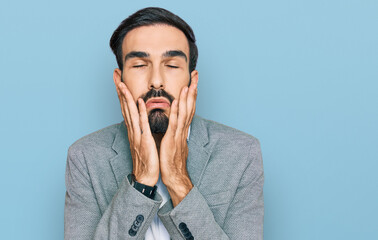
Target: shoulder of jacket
<point x="227" y="134"/>
<point x="102" y="138"/>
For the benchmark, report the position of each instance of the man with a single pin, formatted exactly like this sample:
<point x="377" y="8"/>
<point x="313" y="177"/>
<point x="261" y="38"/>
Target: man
<point x="162" y="172"/>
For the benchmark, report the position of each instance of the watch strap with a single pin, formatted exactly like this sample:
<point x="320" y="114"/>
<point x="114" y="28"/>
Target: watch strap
<point x="146" y="190"/>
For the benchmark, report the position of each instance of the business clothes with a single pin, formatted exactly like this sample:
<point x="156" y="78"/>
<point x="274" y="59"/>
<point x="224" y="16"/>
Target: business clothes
<point x="226" y="202"/>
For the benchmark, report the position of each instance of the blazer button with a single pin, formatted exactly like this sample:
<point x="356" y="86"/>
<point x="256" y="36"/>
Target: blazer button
<point x="132" y="232"/>
<point x="185" y="231"/>
<point x="140" y="218"/>
<point x="137" y="224"/>
<point x="182" y="226"/>
<point x="188" y="235"/>
<point x="134" y="228"/>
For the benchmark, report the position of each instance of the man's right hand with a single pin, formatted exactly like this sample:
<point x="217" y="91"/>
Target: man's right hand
<point x="142" y="144"/>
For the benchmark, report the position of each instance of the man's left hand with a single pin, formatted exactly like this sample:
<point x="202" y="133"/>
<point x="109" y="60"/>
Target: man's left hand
<point x="174" y="147"/>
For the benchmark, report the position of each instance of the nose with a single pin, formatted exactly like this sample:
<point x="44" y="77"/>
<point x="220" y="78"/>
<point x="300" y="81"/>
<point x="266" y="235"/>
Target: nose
<point x="157" y="79"/>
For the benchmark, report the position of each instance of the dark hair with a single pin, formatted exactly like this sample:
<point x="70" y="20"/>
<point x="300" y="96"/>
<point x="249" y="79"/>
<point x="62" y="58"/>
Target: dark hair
<point x="151" y="16"/>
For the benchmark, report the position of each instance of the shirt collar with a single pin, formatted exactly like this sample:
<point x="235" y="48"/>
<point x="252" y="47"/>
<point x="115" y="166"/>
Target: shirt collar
<point x="187" y="139"/>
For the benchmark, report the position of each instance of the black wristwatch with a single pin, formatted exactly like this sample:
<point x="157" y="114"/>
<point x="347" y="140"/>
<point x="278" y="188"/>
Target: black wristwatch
<point x="146" y="190"/>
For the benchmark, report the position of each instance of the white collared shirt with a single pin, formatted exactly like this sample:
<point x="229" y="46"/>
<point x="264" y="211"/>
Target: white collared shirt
<point x="157" y="230"/>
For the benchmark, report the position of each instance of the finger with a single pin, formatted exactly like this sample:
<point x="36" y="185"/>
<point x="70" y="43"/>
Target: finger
<point x="182" y="109"/>
<point x="120" y="97"/>
<point x="143" y="118"/>
<point x="133" y="120"/>
<point x="134" y="114"/>
<point x="130" y="130"/>
<point x="172" y="125"/>
<point x="191" y="102"/>
<point x="125" y="109"/>
<point x="123" y="104"/>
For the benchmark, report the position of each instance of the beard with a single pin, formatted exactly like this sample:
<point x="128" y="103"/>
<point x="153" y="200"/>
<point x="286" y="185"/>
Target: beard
<point x="158" y="121"/>
<point x="156" y="118"/>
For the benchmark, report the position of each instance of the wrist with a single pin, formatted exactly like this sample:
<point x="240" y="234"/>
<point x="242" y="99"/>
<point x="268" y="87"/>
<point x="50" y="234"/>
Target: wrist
<point x="176" y="180"/>
<point x="179" y="189"/>
<point x="146" y="179"/>
<point x="178" y="194"/>
<point x="148" y="191"/>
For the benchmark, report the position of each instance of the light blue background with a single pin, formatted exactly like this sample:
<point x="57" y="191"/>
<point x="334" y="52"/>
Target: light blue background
<point x="301" y="76"/>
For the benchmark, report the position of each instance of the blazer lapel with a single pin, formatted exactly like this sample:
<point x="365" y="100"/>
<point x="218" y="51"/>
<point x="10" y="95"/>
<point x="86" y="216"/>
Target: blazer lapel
<point x="198" y="156"/>
<point x="121" y="163"/>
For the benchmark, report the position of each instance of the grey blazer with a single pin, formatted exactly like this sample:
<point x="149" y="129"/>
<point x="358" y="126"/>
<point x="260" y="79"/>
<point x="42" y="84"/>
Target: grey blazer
<point x="226" y="202"/>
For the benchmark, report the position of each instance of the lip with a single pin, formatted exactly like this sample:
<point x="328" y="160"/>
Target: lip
<point x="153" y="103"/>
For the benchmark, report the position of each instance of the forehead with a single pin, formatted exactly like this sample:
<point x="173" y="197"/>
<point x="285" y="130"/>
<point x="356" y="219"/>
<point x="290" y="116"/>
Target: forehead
<point x="155" y="40"/>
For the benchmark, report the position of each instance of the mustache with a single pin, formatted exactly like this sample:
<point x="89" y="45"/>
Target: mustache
<point x="157" y="93"/>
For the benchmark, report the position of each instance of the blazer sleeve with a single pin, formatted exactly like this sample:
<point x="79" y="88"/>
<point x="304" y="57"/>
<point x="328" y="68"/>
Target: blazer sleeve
<point x="193" y="219"/>
<point x="128" y="216"/>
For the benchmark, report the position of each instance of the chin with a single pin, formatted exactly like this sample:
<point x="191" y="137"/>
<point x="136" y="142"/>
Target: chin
<point x="158" y="121"/>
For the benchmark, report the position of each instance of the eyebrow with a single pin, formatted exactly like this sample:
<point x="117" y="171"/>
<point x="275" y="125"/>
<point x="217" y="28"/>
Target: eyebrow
<point x="170" y="53"/>
<point x="175" y="53"/>
<point x="136" y="54"/>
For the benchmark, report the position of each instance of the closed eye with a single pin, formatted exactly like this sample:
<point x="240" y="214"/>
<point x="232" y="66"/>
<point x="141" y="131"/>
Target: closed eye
<point x="172" y="66"/>
<point x="139" y="66"/>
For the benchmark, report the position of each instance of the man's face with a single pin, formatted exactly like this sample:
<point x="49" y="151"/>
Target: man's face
<point x="155" y="68"/>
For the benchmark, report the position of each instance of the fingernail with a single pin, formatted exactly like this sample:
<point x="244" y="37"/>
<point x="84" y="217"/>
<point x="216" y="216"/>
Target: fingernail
<point x="186" y="89"/>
